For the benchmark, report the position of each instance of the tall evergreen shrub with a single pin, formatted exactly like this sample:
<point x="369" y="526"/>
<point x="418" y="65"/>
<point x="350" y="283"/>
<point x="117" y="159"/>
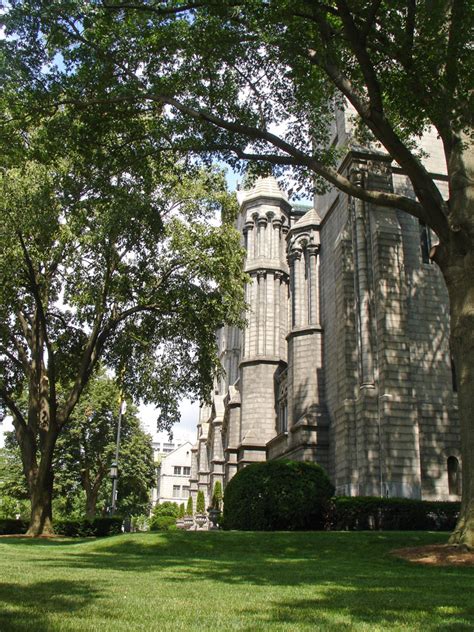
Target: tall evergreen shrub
<point x="277" y="495"/>
<point x="189" y="506"/>
<point x="200" y="503"/>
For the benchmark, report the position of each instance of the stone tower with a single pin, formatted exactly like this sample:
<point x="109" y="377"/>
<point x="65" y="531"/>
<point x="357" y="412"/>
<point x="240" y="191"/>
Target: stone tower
<point x="264" y="218"/>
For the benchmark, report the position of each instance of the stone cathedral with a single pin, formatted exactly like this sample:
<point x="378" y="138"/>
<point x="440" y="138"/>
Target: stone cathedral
<point x="345" y="357"/>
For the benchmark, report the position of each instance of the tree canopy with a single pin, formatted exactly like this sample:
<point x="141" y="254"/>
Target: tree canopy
<point x="107" y="254"/>
<point x="260" y="80"/>
<point x="86" y="449"/>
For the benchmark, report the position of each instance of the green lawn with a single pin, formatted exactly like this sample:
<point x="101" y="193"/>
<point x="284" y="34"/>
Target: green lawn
<point x="230" y="581"/>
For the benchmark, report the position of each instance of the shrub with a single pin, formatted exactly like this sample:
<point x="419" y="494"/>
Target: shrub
<point x="163" y="523"/>
<point x="83" y="528"/>
<point x="11" y="526"/>
<point x="200" y="503"/>
<point x="167" y="508"/>
<point x="189" y="506"/>
<point x="277" y="495"/>
<point x="140" y="523"/>
<point x="390" y="514"/>
<point x="217" y="496"/>
<point x="182" y="511"/>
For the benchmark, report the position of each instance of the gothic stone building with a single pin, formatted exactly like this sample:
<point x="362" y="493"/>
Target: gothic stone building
<point x="345" y="358"/>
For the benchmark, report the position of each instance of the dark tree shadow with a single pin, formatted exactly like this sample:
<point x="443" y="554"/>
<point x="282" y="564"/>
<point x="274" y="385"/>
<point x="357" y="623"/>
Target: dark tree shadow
<point x="28" y="607"/>
<point x="353" y="577"/>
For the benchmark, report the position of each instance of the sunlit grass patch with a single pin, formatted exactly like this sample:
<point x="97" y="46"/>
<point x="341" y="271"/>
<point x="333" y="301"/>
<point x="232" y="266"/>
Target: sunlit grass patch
<point x="230" y="581"/>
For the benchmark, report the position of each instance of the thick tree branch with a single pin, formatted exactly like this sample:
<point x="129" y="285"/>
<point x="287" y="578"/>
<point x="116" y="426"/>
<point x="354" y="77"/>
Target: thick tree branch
<point x="51" y="369"/>
<point x="298" y="157"/>
<point x="436" y="211"/>
<point x="15" y="411"/>
<point x="12" y="358"/>
<point x="150" y="8"/>
<point x="22" y="354"/>
<point x="357" y="43"/>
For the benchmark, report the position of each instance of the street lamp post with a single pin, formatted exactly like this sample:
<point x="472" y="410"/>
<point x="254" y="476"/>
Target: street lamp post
<point x="114" y="466"/>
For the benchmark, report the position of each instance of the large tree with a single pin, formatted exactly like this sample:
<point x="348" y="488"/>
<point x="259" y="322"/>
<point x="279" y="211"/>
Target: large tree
<point x="87" y="448"/>
<point x="105" y="258"/>
<point x="227" y="75"/>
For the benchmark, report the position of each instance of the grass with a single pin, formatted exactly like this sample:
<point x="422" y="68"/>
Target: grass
<point x="230" y="581"/>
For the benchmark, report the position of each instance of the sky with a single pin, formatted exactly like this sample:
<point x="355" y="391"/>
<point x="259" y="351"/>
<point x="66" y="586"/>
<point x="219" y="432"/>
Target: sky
<point x="185" y="430"/>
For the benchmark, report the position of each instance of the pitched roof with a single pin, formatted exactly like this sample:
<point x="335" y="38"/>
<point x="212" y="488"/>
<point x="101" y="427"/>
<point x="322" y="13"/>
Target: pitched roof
<point x="263" y="187"/>
<point x="311" y="218"/>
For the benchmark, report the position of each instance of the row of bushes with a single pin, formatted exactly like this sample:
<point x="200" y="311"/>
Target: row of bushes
<point x="98" y="527"/>
<point x="390" y="514"/>
<point x="10" y="526"/>
<point x="296" y="496"/>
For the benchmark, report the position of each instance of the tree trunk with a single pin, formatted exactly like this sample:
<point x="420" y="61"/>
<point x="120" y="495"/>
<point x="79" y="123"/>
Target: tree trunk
<point x="40" y="477"/>
<point x="91" y="502"/>
<point x="41" y="518"/>
<point x="458" y="271"/>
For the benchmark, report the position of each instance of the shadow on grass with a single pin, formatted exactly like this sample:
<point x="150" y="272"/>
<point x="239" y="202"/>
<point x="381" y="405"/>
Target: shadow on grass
<point x="351" y="578"/>
<point x="28" y="607"/>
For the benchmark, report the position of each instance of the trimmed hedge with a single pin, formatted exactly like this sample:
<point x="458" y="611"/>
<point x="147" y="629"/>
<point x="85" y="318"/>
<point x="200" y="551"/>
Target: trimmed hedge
<point x="390" y="514"/>
<point x="163" y="523"/>
<point x="277" y="495"/>
<point x="11" y="526"/>
<point x="98" y="527"/>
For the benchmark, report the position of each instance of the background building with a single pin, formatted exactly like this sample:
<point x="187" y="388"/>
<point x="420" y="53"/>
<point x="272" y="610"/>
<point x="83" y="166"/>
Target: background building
<point x="173" y="474"/>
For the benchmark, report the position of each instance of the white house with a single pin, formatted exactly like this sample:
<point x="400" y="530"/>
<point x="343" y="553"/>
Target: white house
<point x="173" y="475"/>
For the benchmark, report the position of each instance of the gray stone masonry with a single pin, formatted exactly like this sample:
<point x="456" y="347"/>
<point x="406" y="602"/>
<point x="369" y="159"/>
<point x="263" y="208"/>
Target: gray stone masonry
<point x="345" y="357"/>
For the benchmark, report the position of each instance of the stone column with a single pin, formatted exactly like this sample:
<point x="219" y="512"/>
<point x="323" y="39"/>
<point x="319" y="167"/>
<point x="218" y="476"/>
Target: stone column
<point x="261" y="311"/>
<point x="277" y="239"/>
<point x="249" y="234"/>
<point x="363" y="288"/>
<point x="269" y="240"/>
<point x="313" y="285"/>
<point x="277" y="317"/>
<point x="261" y="230"/>
<point x="284" y="234"/>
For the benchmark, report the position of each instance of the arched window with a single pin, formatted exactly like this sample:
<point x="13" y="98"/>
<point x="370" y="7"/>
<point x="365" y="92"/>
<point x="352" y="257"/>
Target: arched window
<point x="454" y="478"/>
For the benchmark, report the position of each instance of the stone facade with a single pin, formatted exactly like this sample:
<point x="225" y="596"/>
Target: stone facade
<point x="345" y="358"/>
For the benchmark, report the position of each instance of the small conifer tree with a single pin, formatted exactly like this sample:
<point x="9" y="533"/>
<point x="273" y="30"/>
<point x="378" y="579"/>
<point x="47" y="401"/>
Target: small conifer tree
<point x="189" y="507"/>
<point x="200" y="503"/>
<point x="217" y="496"/>
<point x="181" y="511"/>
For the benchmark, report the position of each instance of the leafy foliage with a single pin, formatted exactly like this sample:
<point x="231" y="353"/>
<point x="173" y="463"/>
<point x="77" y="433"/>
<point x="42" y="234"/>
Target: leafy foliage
<point x="104" y="260"/>
<point x="99" y="527"/>
<point x="189" y="506"/>
<point x="388" y="514"/>
<point x="277" y="495"/>
<point x="163" y="523"/>
<point x="86" y="449"/>
<point x="217" y="496"/>
<point x="200" y="502"/>
<point x="13" y="489"/>
<point x="164" y="516"/>
<point x="11" y="526"/>
<point x="166" y="508"/>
